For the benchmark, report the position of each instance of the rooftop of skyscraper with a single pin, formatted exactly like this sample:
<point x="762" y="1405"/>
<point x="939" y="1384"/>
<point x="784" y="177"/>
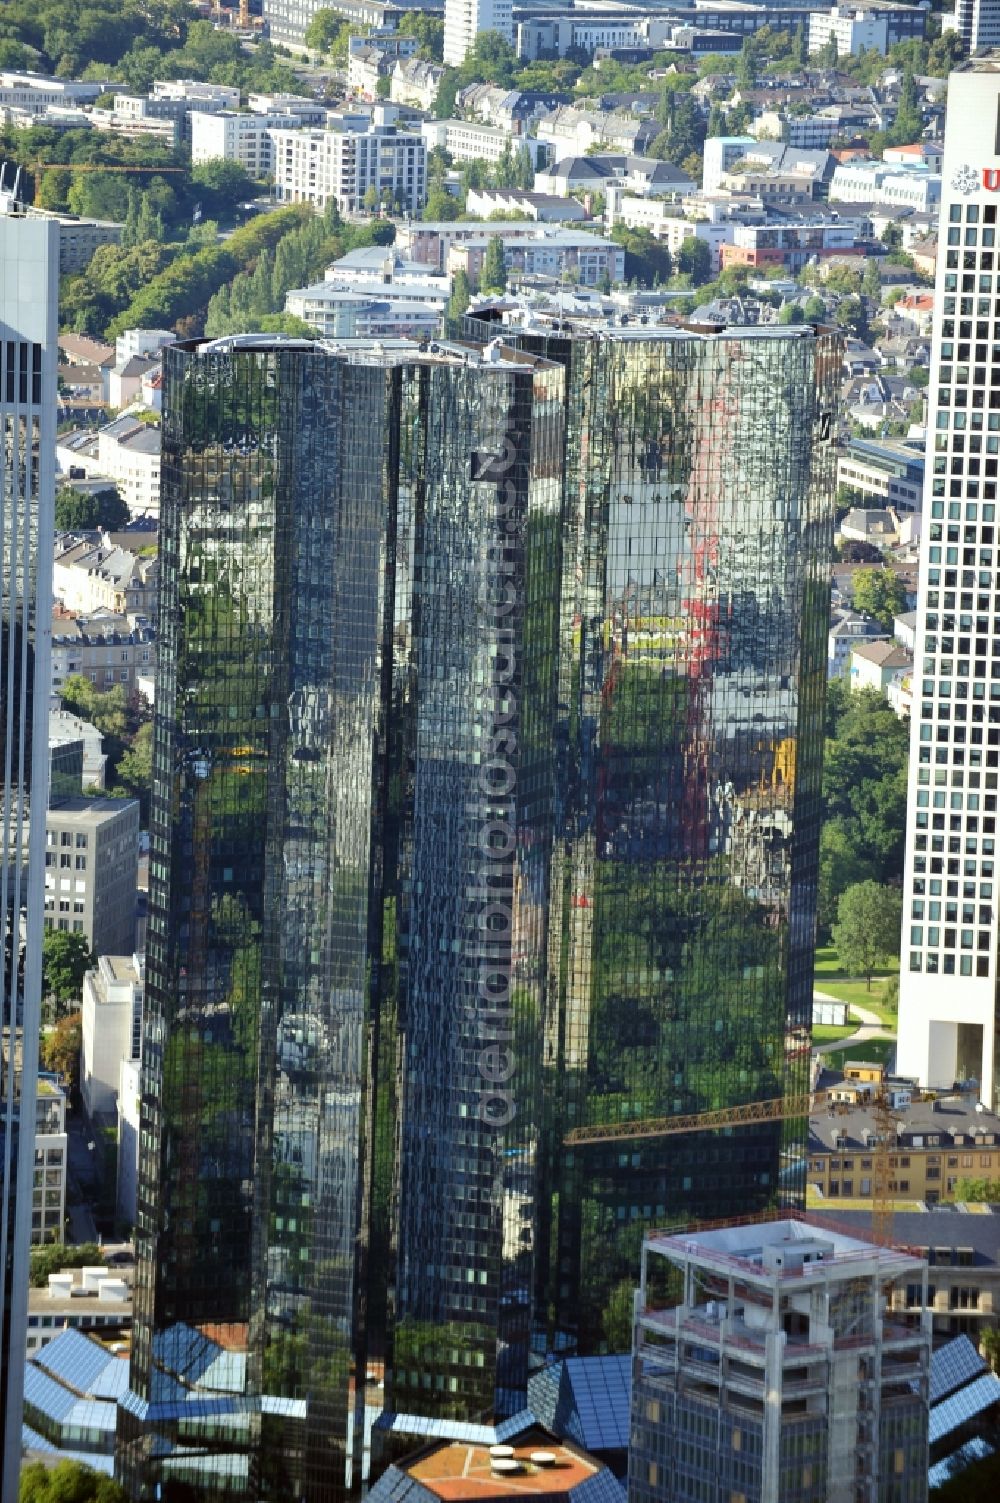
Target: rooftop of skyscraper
<point x="537" y="1464"/>
<point x="778" y="1249"/>
<point x="367" y="351"/>
<point x="519" y="316"/>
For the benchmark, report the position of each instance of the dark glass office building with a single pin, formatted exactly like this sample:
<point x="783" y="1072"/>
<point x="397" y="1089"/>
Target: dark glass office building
<point x="486" y="800"/>
<point x="352" y="819"/>
<point x="697" y="533"/>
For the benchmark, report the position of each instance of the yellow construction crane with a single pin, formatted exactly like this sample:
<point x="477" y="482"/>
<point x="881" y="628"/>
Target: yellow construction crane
<point x="777" y="1109"/>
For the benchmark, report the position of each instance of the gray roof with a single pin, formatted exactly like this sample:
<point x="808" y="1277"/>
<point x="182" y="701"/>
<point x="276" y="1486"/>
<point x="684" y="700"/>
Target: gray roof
<point x="938" y="1226"/>
<point x="953" y="1116"/>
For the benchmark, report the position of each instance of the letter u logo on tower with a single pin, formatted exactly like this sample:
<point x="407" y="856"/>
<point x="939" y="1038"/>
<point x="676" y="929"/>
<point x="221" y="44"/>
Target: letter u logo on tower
<point x="991" y="179"/>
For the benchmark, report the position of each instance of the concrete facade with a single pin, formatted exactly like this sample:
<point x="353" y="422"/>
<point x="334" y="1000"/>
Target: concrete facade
<point x="92" y="869"/>
<point x="777" y="1376"/>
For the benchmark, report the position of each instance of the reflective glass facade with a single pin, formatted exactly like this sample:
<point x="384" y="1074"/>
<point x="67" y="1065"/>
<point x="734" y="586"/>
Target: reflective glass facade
<point x="352" y="814"/>
<point x="486" y="800"/>
<point x="697" y="524"/>
<point x="29" y="276"/>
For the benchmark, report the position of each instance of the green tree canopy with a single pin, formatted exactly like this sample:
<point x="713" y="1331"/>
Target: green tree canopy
<point x="220" y="187"/>
<point x="866" y="933"/>
<point x="460" y="298"/>
<point x="493" y="277"/>
<point x="881" y="594"/>
<point x="106" y="711"/>
<point x="66" y="958"/>
<point x="694" y="258"/>
<point x="80" y="511"/>
<point x="68" y="1481"/>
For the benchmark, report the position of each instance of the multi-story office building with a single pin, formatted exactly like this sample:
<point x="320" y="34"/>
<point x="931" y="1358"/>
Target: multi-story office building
<point x="978" y="23"/>
<point x="485" y="762"/>
<point x="465" y="19"/>
<point x="355" y="169"/>
<point x="346" y="952"/>
<point x="91" y="870"/>
<point x="951" y="930"/>
<point x="698" y="520"/>
<point x="778" y="1375"/>
<point x="48" y="1196"/>
<point x="111" y="1025"/>
<point x="29" y="279"/>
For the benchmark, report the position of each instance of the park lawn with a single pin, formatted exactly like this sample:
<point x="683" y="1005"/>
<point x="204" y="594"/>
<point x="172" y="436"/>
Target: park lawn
<point x="874" y="1049"/>
<point x="830" y="977"/>
<point x="828" y="1033"/>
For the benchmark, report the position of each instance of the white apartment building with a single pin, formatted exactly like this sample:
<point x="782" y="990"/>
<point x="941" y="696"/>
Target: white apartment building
<point x="559" y="34"/>
<point x="128" y="452"/>
<point x="375" y="310"/>
<point x="349" y="167"/>
<point x="111" y="1026"/>
<point x="718" y="154"/>
<point x="853" y="29"/>
<point x="141" y="342"/>
<point x="951" y="931"/>
<point x="469" y="141"/>
<point x="663" y="221"/>
<point x="245" y="139"/>
<point x="896" y="185"/>
<point x="36" y="93"/>
<point x="465" y="19"/>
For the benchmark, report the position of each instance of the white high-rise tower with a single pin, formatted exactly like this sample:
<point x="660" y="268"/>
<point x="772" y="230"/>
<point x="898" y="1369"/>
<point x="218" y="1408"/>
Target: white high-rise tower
<point x="978" y="23"/>
<point x="948" y="1012"/>
<point x="29" y="281"/>
<point x="465" y="19"/>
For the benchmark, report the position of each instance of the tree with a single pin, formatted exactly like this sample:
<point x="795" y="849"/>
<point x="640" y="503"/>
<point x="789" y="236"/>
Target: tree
<point x="461" y="295"/>
<point x="106" y="711"/>
<point x="695" y="259"/>
<point x="976" y="1191"/>
<point x="46" y="1260"/>
<point x="814" y="309"/>
<point x="989" y="1343"/>
<point x="493" y="277"/>
<point x="220" y="187"/>
<point x="880" y="594"/>
<point x="134" y="775"/>
<point x="647" y="260"/>
<point x="60" y="1047"/>
<point x="68" y="1481"/>
<point x="78" y="511"/>
<point x="866" y="933"/>
<point x="840" y="867"/>
<point x="871" y="282"/>
<point x="66" y="959"/>
<point x="619" y="1317"/>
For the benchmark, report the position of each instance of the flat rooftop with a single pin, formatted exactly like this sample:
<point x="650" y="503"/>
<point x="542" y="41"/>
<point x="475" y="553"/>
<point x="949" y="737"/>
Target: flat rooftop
<point x="457" y="1470"/>
<point x="79" y="806"/>
<point x="386" y="352"/>
<point x="746" y="1245"/>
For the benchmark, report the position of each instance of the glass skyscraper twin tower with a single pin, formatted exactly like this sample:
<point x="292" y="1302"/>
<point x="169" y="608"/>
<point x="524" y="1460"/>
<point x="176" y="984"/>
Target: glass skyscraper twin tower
<point x="486" y="799"/>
